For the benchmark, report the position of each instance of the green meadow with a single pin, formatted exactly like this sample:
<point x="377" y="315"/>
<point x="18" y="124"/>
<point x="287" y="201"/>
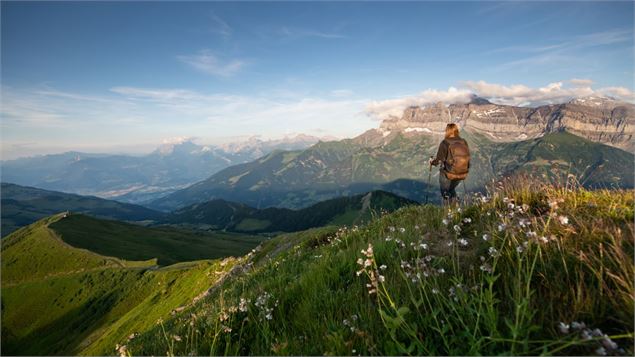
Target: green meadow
<point x="528" y="269"/>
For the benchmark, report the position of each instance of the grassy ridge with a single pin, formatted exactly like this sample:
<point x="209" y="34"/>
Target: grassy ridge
<point x="35" y="252"/>
<point x="133" y="242"/>
<point x="528" y="270"/>
<point x="59" y="299"/>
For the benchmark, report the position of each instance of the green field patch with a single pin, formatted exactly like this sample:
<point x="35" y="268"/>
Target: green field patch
<point x="133" y="242"/>
<point x="252" y="224"/>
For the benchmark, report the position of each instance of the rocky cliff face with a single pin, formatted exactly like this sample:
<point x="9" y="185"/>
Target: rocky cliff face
<point x="599" y="119"/>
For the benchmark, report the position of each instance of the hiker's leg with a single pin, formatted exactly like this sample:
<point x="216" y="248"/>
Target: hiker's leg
<point x="452" y="191"/>
<point x="444" y="186"/>
<point x="452" y="188"/>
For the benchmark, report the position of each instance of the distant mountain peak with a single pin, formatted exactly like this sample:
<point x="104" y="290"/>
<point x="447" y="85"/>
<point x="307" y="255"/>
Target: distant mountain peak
<point x="479" y="100"/>
<point x="181" y="144"/>
<point x="594" y="101"/>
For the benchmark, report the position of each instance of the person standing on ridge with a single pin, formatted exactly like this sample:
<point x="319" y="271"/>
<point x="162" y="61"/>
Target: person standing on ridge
<point x="454" y="159"/>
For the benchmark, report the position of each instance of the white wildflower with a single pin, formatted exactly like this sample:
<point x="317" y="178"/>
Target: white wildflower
<point x="463" y="242"/>
<point x="523" y="223"/>
<point x="485" y="237"/>
<point x="242" y="305"/>
<point x="383" y="267"/>
<point x="564" y="220"/>
<point x="445" y="222"/>
<point x="402" y="230"/>
<point x="608" y="343"/>
<point x="457" y="229"/>
<point x="578" y="325"/>
<point x="563" y="328"/>
<point x="600" y="351"/>
<point x="501" y="227"/>
<point x="486" y="268"/>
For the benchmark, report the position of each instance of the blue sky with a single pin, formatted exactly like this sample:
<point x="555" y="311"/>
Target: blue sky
<point x="123" y="76"/>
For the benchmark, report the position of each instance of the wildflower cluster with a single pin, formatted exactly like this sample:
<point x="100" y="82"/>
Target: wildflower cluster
<point x="606" y="346"/>
<point x="368" y="266"/>
<point x="420" y="268"/>
<point x="266" y="305"/>
<point x="351" y="323"/>
<point x="460" y="228"/>
<point x="122" y="350"/>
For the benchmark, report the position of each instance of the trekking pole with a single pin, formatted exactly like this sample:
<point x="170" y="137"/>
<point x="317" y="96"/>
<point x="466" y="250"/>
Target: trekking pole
<point x="465" y="190"/>
<point x="429" y="176"/>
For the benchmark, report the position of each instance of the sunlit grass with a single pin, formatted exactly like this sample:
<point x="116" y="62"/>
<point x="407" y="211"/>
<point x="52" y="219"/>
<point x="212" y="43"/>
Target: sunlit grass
<point x="527" y="269"/>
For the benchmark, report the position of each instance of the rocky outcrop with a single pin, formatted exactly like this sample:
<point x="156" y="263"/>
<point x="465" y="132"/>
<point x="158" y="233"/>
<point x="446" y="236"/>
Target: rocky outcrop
<point x="599" y="119"/>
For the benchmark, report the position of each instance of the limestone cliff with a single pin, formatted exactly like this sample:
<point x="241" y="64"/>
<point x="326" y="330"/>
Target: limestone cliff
<point x="596" y="118"/>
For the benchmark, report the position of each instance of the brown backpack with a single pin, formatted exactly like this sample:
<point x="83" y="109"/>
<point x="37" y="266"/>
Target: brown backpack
<point x="457" y="164"/>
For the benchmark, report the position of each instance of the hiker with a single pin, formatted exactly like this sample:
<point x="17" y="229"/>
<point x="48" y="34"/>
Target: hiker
<point x="454" y="157"/>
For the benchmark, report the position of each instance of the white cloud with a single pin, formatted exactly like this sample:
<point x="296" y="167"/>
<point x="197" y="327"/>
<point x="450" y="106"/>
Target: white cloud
<point x="581" y="82"/>
<point x="522" y="95"/>
<point x="155" y="94"/>
<point x="394" y="107"/>
<point x="220" y="26"/>
<point x="618" y="92"/>
<point x="130" y="115"/>
<point x="516" y="94"/>
<point x="565" y="51"/>
<point x="206" y="61"/>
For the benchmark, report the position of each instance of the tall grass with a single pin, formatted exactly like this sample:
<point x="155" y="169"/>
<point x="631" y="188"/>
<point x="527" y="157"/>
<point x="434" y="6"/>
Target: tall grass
<point x="526" y="269"/>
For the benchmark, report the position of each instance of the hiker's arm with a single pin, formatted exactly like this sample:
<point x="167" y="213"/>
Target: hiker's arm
<point x="442" y="153"/>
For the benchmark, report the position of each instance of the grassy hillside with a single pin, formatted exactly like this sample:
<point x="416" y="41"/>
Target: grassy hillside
<point x="57" y="299"/>
<point x="528" y="270"/>
<point x="133" y="242"/>
<point x="35" y="252"/>
<point x="559" y="154"/>
<point x="353" y="210"/>
<point x="22" y="206"/>
<point x="398" y="163"/>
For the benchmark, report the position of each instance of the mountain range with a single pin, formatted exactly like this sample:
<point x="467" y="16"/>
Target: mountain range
<point x="175" y="164"/>
<point x="584" y="137"/>
<point x="22" y="206"/>
<point x="601" y="119"/>
<point x="26" y="205"/>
